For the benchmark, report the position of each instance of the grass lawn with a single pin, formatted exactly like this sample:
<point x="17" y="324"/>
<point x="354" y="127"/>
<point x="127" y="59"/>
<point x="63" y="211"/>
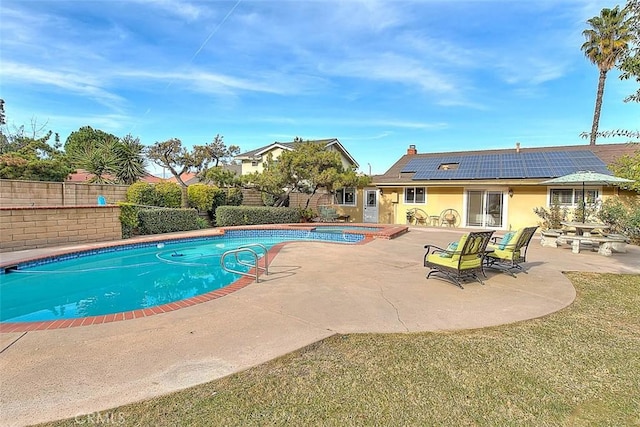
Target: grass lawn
<point x="580" y="366"/>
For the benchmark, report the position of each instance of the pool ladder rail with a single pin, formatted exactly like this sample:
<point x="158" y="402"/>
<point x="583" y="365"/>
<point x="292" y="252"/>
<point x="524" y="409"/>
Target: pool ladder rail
<point x="256" y="263"/>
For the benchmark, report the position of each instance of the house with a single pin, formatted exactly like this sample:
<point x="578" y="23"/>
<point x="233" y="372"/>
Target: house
<point x="253" y="161"/>
<point x="489" y="189"/>
<point x="346" y="199"/>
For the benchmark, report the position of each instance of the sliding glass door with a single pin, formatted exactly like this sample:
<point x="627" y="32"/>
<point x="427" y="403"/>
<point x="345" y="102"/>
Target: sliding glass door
<point x="485" y="209"/>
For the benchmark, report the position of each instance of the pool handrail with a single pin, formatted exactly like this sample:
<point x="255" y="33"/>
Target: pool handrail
<point x="246" y="249"/>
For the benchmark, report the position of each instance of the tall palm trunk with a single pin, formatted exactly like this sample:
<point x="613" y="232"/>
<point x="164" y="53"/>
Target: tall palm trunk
<point x="596" y="113"/>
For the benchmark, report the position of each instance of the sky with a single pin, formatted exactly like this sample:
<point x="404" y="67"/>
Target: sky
<point x="377" y="75"/>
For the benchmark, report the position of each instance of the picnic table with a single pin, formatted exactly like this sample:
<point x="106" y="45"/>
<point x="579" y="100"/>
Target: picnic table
<point x="584" y="228"/>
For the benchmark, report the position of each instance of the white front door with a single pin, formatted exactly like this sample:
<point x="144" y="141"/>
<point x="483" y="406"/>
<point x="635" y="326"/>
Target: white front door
<point x="370" y="205"/>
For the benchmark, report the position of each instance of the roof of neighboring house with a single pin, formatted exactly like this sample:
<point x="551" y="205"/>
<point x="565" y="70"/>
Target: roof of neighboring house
<point x="518" y="163"/>
<point x="187" y="177"/>
<point x="82" y="175"/>
<point x="253" y="154"/>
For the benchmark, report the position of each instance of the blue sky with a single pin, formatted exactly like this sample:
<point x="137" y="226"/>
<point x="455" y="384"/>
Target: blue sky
<point x="377" y="75"/>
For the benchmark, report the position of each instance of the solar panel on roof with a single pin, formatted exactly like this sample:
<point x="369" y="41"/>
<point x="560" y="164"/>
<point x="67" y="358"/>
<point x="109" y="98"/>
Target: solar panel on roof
<point x="547" y="164"/>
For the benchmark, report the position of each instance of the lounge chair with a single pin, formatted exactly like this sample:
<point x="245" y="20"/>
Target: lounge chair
<point x="510" y="252"/>
<point x="460" y="260"/>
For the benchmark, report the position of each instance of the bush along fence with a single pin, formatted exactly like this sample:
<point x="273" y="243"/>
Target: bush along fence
<point x="227" y="216"/>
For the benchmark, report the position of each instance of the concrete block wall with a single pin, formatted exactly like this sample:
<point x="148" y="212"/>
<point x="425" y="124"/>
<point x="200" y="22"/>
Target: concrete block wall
<point x="41" y="193"/>
<point x="39" y="227"/>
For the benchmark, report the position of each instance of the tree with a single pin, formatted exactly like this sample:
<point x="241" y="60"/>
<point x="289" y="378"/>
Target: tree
<point x="306" y="169"/>
<point x="86" y="140"/>
<point x="30" y="156"/>
<point x="108" y="158"/>
<point x="217" y="152"/>
<point x="130" y="161"/>
<point x="628" y="166"/>
<point x="607" y="42"/>
<point x="178" y="160"/>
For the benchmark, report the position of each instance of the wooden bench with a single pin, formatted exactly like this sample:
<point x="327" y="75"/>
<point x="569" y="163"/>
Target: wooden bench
<point x="605" y="245"/>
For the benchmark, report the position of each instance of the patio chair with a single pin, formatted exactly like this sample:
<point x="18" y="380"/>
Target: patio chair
<point x="102" y="201"/>
<point x="419" y="216"/>
<point x="327" y="214"/>
<point x="460" y="260"/>
<point x="510" y="252"/>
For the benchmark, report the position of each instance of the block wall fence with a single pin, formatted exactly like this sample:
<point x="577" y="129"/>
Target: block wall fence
<point x="40" y="193"/>
<point x="40" y="227"/>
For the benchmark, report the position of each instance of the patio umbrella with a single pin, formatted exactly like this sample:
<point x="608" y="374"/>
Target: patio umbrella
<point x="587" y="178"/>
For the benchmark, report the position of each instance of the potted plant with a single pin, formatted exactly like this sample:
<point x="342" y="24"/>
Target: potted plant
<point x="410" y="215"/>
<point x="306" y="214"/>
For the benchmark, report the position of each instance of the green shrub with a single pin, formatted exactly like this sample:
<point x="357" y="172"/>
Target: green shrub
<point x="234" y="197"/>
<point x="268" y="199"/>
<point x="201" y="196"/>
<point x="169" y="194"/>
<point x="253" y="215"/>
<point x="552" y="218"/>
<point x="142" y="193"/>
<point x="167" y="220"/>
<point x="623" y="218"/>
<point x="128" y="218"/>
<point x="203" y="223"/>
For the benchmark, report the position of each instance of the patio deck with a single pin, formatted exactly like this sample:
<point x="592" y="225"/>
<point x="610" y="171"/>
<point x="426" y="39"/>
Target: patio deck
<point x="310" y="294"/>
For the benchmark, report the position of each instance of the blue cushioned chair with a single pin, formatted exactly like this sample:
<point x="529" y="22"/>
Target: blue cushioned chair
<point x="508" y="255"/>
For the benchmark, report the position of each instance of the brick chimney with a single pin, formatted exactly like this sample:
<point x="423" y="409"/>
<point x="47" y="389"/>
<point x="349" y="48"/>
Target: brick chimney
<point x="412" y="150"/>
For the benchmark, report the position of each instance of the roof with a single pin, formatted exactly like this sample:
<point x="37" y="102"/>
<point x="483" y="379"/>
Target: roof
<point x="253" y="154"/>
<point x="81" y="175"/>
<point x="522" y="163"/>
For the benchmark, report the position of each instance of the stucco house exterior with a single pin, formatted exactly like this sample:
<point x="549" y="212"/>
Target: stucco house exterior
<point x="254" y="160"/>
<point x="489" y="189"/>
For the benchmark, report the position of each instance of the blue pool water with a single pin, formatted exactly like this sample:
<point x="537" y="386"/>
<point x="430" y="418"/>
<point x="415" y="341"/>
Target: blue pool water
<point x="114" y="280"/>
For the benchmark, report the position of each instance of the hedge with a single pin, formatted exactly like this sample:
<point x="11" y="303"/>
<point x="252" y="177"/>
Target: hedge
<point x="167" y="220"/>
<point x="227" y="216"/>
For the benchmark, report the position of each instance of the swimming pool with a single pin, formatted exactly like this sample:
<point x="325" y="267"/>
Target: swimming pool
<point x="133" y="277"/>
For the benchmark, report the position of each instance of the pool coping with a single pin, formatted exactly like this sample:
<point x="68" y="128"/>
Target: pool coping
<point x="8" y="327"/>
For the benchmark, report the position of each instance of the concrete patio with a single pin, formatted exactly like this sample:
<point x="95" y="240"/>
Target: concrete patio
<point x="314" y="290"/>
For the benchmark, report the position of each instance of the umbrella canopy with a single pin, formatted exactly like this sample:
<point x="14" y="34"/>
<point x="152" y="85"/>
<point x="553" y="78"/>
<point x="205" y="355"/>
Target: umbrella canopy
<point x="587" y="178"/>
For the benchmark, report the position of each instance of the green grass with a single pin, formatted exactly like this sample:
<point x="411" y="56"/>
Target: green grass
<point x="580" y="366"/>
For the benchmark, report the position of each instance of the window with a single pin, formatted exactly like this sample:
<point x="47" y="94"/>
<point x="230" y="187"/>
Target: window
<point x="571" y="197"/>
<point x="448" y="166"/>
<point x="346" y="196"/>
<point x="415" y="195"/>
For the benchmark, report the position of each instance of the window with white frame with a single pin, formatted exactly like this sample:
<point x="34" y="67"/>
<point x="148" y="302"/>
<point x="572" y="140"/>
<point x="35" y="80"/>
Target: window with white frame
<point x="571" y="197"/>
<point x="346" y="196"/>
<point x="415" y="195"/>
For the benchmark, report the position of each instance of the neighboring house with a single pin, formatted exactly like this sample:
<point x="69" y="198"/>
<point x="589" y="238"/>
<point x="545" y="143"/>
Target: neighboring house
<point x="346" y="198"/>
<point x="490" y="189"/>
<point x="253" y="161"/>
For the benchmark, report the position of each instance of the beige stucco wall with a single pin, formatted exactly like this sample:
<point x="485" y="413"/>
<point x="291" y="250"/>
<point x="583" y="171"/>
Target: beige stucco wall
<point x="40" y="193"/>
<point x="519" y="206"/>
<point x="39" y="227"/>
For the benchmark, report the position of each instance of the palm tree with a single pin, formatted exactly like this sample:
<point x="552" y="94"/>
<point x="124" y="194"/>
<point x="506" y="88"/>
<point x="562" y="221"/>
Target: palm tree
<point x="607" y="42"/>
<point x="129" y="154"/>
